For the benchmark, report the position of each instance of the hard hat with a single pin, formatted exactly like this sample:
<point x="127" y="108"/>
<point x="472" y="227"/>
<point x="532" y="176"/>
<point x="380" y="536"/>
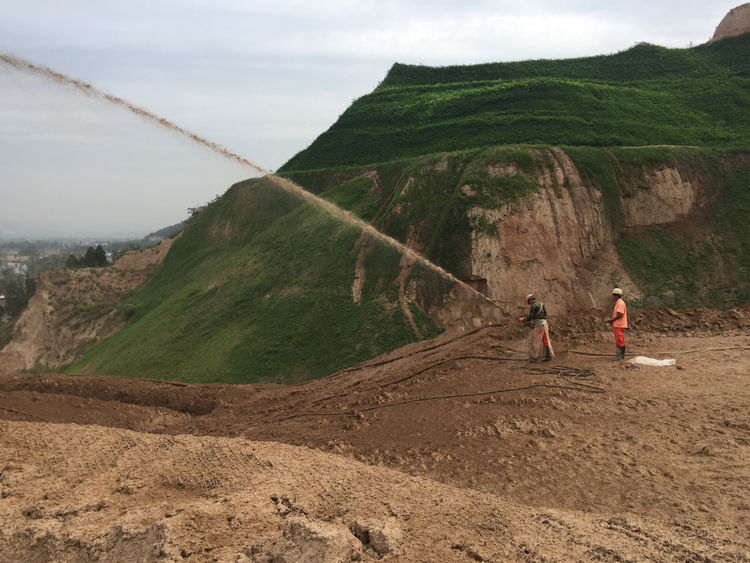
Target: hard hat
<point x="529" y="297"/>
<point x="617" y="291"/>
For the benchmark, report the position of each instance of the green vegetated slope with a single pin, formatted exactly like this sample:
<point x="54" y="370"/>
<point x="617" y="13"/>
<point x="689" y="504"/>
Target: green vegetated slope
<point x="259" y="288"/>
<point x="646" y="95"/>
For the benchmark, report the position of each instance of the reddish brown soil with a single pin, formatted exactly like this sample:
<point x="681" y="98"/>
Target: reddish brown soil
<point x="451" y="450"/>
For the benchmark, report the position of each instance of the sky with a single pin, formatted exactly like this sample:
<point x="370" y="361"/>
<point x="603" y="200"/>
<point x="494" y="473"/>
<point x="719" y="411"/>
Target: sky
<point x="261" y="78"/>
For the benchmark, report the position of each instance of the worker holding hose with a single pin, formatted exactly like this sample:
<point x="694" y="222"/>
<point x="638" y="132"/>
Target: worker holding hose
<point x="539" y="338"/>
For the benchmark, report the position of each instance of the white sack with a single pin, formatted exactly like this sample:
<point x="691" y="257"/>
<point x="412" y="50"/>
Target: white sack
<point x="645" y="361"/>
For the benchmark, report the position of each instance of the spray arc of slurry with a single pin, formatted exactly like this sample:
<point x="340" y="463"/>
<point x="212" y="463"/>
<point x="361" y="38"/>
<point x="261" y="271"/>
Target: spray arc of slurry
<point x="283" y="183"/>
<point x="90" y="90"/>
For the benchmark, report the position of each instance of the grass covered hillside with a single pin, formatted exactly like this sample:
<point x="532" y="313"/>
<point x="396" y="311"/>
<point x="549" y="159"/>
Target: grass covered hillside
<point x="259" y="288"/>
<point x="646" y="95"/>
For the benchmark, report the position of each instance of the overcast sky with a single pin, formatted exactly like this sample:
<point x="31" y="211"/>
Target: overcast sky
<point x="261" y="78"/>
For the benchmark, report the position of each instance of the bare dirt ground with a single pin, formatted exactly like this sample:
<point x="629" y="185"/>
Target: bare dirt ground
<point x="455" y="449"/>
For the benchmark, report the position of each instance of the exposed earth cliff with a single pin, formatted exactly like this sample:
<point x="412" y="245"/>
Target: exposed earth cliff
<point x="736" y="22"/>
<point x="560" y="243"/>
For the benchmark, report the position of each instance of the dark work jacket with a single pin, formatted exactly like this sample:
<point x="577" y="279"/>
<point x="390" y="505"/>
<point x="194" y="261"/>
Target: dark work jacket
<point x="537" y="311"/>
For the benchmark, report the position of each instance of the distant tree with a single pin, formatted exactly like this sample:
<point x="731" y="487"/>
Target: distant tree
<point x="195" y="210"/>
<point x="89" y="260"/>
<point x="100" y="257"/>
<point x="29" y="287"/>
<point x="17" y="290"/>
<point x="73" y="262"/>
<point x="95" y="257"/>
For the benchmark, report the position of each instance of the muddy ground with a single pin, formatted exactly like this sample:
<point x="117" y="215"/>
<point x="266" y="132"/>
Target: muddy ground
<point x="457" y="449"/>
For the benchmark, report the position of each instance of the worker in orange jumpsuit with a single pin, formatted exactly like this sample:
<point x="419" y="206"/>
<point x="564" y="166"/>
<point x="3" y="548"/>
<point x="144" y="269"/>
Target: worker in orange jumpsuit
<point x="619" y="322"/>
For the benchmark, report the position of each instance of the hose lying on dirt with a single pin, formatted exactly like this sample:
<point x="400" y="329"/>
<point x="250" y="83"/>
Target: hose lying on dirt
<point x="424" y="369"/>
<point x="577" y="377"/>
<point x="376" y="363"/>
<point x="572" y="375"/>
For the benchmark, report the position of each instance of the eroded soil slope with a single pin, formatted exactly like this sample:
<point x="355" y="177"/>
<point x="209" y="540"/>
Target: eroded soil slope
<point x="73" y="309"/>
<point x="450" y="450"/>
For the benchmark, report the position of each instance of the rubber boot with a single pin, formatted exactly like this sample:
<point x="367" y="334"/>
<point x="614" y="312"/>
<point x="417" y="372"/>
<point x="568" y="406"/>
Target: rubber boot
<point x="548" y="357"/>
<point x="620" y="353"/>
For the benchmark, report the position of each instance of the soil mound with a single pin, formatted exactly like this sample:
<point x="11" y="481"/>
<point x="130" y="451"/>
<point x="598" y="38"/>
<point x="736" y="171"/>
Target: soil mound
<point x="446" y="450"/>
<point x="117" y="495"/>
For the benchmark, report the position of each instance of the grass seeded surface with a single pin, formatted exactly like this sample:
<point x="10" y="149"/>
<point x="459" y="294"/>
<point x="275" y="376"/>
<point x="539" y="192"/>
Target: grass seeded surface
<point x="645" y="95"/>
<point x="258" y="288"/>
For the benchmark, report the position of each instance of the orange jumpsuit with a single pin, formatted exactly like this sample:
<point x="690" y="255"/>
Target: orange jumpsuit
<point x="620" y="324"/>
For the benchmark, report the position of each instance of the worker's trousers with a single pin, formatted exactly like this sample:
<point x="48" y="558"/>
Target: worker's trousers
<point x="619" y="337"/>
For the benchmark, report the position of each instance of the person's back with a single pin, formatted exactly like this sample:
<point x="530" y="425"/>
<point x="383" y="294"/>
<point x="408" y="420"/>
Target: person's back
<point x="537" y="311"/>
<point x="540" y="335"/>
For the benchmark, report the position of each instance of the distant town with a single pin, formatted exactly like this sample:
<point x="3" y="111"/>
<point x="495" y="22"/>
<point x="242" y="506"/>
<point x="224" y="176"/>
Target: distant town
<point x="22" y="260"/>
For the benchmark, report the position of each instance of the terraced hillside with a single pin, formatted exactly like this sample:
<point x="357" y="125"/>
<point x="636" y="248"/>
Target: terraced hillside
<point x="646" y="95"/>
